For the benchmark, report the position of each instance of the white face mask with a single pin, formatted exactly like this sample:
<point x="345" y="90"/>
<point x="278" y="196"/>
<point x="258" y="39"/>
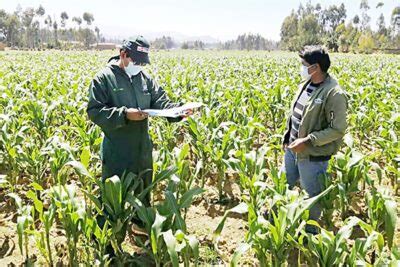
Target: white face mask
<point x="304" y="72"/>
<point x="132" y="69"/>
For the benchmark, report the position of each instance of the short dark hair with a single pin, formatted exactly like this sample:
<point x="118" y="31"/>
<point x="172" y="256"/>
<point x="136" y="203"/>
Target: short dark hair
<point x="314" y="54"/>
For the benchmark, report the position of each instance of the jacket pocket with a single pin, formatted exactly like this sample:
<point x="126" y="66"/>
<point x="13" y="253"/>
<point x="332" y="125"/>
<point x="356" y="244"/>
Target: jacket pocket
<point x="144" y="100"/>
<point x="325" y="150"/>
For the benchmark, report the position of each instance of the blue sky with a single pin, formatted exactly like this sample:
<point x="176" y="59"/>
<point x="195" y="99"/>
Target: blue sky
<point x="221" y="19"/>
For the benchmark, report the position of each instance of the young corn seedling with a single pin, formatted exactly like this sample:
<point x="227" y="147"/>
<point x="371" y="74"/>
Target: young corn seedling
<point x="223" y="140"/>
<point x="35" y="162"/>
<point x="26" y="213"/>
<point x="330" y="249"/>
<point x="72" y="215"/>
<point x="277" y="237"/>
<point x="201" y="148"/>
<point x="363" y="248"/>
<point x="86" y="178"/>
<point x="59" y="154"/>
<point x="251" y="167"/>
<point x="11" y="138"/>
<point x="382" y="211"/>
<point x="183" y="170"/>
<point x="96" y="241"/>
<point x="350" y="169"/>
<point x="166" y="227"/>
<point x="272" y="240"/>
<point x="118" y="204"/>
<point x="166" y="247"/>
<point x="180" y="243"/>
<point x="46" y="218"/>
<point x="117" y="199"/>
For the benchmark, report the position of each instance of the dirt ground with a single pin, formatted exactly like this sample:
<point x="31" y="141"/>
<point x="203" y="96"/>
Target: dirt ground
<point x="202" y="219"/>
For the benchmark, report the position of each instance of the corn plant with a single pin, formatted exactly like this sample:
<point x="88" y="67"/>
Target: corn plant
<point x="183" y="244"/>
<point x="81" y="167"/>
<point x="184" y="170"/>
<point x="252" y="171"/>
<point x="26" y="213"/>
<point x="236" y="135"/>
<point x="96" y="241"/>
<point x="389" y="145"/>
<point x="166" y="246"/>
<point x="277" y="237"/>
<point x="59" y="154"/>
<point x="34" y="162"/>
<point x="350" y="169"/>
<point x="11" y="137"/>
<point x="222" y="141"/>
<point x="46" y="218"/>
<point x="363" y="247"/>
<point x="201" y="148"/>
<point x="117" y="196"/>
<point x="328" y="248"/>
<point x="166" y="227"/>
<point x="329" y="202"/>
<point x="272" y="240"/>
<point x="381" y="210"/>
<point x="35" y="221"/>
<point x="72" y="216"/>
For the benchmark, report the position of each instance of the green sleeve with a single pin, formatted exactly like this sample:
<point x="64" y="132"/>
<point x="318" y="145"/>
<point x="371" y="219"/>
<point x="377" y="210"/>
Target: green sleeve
<point x="160" y="100"/>
<point x="336" y="115"/>
<point x="98" y="109"/>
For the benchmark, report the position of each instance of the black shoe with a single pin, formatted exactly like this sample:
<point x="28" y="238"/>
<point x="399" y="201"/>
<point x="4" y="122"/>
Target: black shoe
<point x="138" y="222"/>
<point x="312" y="229"/>
<point x="268" y="215"/>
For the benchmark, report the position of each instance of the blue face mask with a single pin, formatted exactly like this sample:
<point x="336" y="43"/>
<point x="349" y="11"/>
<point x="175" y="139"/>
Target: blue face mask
<point x="304" y="72"/>
<point x="132" y="69"/>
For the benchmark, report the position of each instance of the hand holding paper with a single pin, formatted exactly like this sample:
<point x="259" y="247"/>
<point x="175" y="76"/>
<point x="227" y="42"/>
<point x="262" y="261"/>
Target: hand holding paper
<point x="185" y="110"/>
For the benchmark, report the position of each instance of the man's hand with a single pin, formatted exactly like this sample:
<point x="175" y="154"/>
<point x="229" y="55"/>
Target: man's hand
<point x="134" y="114"/>
<point x="299" y="144"/>
<point x="187" y="113"/>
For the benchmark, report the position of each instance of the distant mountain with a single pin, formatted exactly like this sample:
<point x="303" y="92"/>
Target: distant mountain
<point x="180" y="38"/>
<point x="116" y="33"/>
<point x="204" y="38"/>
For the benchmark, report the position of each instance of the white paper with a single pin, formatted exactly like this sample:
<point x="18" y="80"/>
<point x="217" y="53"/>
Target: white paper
<point x="172" y="112"/>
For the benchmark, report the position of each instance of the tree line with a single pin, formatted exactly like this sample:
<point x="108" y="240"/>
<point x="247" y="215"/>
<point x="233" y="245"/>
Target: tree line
<point x="32" y="28"/>
<point x="167" y="42"/>
<point x="311" y="24"/>
<point x="247" y="41"/>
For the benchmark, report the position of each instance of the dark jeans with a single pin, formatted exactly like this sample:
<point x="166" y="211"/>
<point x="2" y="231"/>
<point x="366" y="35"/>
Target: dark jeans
<point x="309" y="173"/>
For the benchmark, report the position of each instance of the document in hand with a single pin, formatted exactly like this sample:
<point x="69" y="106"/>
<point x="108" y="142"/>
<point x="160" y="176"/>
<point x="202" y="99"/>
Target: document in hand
<point x="173" y="112"/>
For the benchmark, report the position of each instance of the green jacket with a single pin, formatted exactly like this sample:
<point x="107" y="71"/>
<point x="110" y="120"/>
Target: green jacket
<point x="126" y="145"/>
<point x="324" y="119"/>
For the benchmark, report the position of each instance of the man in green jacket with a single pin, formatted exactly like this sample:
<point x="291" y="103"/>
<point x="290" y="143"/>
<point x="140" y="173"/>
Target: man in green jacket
<point x="315" y="126"/>
<point x="117" y="96"/>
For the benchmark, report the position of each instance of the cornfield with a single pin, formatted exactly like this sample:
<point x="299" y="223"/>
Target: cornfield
<point x="218" y="168"/>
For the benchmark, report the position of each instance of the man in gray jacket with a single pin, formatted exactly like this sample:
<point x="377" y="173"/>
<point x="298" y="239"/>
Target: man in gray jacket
<point x="315" y="126"/>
